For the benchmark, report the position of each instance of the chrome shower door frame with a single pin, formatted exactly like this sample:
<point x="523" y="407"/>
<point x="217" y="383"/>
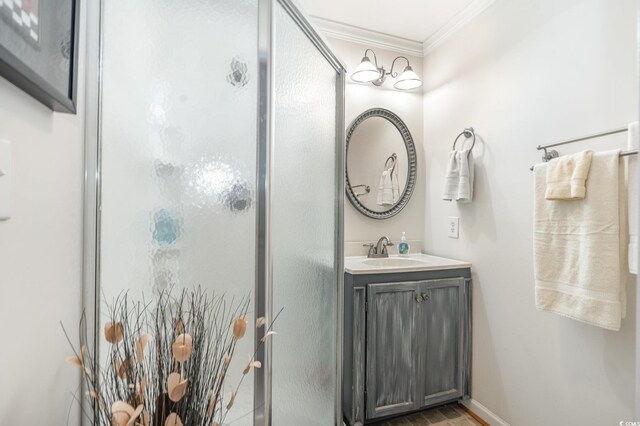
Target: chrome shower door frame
<point x="264" y="261"/>
<point x="92" y="195"/>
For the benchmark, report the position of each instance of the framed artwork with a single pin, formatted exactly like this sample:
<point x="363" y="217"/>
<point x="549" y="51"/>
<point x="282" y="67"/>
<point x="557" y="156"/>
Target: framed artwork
<point x="39" y="49"/>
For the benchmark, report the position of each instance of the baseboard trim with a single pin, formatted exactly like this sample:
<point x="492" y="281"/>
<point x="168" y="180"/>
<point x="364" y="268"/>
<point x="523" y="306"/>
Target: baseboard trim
<point x="482" y="413"/>
<point x="472" y="414"/>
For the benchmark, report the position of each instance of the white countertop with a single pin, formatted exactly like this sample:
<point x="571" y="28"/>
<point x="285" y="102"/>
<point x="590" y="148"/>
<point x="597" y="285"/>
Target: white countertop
<point x="361" y="265"/>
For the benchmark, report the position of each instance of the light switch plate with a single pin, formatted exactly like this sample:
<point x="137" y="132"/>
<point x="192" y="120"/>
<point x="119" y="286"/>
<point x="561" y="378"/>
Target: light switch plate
<point x="453" y="229"/>
<point x="5" y="179"/>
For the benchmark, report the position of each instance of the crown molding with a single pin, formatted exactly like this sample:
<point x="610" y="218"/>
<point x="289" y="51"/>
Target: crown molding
<point x="456" y="23"/>
<point x="402" y="45"/>
<point x="369" y="38"/>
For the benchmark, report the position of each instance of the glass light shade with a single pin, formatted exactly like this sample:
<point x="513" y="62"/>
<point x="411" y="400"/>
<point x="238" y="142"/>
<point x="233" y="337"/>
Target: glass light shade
<point x="408" y="80"/>
<point x="366" y="72"/>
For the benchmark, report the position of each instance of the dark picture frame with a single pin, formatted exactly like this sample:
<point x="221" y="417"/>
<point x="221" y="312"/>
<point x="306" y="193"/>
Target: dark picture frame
<point x="16" y="71"/>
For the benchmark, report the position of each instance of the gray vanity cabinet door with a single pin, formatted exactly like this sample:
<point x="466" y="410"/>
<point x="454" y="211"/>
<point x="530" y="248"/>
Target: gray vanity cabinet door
<point x="391" y="349"/>
<point x="440" y="354"/>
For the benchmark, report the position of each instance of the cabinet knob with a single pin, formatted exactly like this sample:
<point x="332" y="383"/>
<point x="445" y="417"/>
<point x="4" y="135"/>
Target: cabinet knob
<point x="419" y="298"/>
<point x="425" y="296"/>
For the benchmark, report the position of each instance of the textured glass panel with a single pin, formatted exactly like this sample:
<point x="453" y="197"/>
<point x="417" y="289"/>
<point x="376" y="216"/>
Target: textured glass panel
<point x="303" y="230"/>
<point x="178" y="153"/>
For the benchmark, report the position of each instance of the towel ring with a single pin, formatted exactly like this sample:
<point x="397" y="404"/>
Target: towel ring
<point x="393" y="157"/>
<point x="468" y="133"/>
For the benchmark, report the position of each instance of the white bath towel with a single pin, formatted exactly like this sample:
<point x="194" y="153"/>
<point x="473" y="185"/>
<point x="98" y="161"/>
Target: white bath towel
<point x="633" y="189"/>
<point x="458" y="181"/>
<point x="579" y="247"/>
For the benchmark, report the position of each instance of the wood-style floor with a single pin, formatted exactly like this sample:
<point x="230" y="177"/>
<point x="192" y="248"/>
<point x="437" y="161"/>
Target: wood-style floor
<point x="447" y="415"/>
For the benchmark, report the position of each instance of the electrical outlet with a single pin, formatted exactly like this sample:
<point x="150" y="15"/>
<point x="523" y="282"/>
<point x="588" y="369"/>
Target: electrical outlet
<point x="453" y="227"/>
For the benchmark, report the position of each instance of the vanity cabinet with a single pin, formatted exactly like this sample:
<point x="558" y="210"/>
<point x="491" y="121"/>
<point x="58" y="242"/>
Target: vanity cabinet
<point x="406" y="342"/>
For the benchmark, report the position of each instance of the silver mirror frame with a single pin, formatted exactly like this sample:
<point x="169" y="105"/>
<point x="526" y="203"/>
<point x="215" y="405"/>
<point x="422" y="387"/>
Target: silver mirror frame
<point x="412" y="163"/>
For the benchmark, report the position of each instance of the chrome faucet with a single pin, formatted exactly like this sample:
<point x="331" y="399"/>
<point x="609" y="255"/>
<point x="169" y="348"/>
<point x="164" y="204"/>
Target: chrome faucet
<point x="380" y="248"/>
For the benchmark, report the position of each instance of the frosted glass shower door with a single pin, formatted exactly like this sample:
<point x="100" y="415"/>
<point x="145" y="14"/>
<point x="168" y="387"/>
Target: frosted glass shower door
<point x="178" y="155"/>
<point x="219" y="164"/>
<point x="305" y="227"/>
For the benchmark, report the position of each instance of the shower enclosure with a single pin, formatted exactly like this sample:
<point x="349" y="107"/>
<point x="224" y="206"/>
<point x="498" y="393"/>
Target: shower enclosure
<point x="215" y="159"/>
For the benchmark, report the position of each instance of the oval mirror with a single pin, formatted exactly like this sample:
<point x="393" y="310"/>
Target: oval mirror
<point x="381" y="164"/>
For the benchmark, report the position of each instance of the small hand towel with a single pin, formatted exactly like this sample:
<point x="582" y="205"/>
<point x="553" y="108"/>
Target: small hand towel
<point x="566" y="176"/>
<point x="464" y="159"/>
<point x="633" y="190"/>
<point x="458" y="181"/>
<point x="451" y="178"/>
<point x="395" y="185"/>
<point x="579" y="260"/>
<point x="385" y="191"/>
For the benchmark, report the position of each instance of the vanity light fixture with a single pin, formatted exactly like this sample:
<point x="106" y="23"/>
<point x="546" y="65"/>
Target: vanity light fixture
<point x="368" y="72"/>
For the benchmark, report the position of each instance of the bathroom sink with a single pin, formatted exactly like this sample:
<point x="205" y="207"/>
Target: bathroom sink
<point x="357" y="265"/>
<point x="393" y="262"/>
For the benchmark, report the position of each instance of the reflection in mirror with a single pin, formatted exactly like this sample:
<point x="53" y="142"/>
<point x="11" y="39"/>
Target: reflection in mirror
<point x="378" y="160"/>
<point x="381" y="163"/>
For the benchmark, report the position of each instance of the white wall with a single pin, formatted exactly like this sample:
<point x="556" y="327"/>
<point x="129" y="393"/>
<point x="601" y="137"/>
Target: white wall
<point x="408" y="106"/>
<point x="526" y="73"/>
<point x="41" y="259"/>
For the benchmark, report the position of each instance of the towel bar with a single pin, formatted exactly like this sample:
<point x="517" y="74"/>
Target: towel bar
<point x="583" y="138"/>
<point x="622" y="154"/>
<point x="551" y="154"/>
<point x="367" y="189"/>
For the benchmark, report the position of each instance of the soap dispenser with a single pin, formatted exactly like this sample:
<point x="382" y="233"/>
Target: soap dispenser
<point x="403" y="246"/>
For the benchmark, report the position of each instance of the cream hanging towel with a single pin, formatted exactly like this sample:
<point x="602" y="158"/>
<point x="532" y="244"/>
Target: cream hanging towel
<point x="567" y="175"/>
<point x="580" y="247"/>
<point x="633" y="193"/>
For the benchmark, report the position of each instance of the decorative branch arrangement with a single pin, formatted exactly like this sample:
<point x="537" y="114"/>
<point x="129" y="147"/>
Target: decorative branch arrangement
<point x="167" y="360"/>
